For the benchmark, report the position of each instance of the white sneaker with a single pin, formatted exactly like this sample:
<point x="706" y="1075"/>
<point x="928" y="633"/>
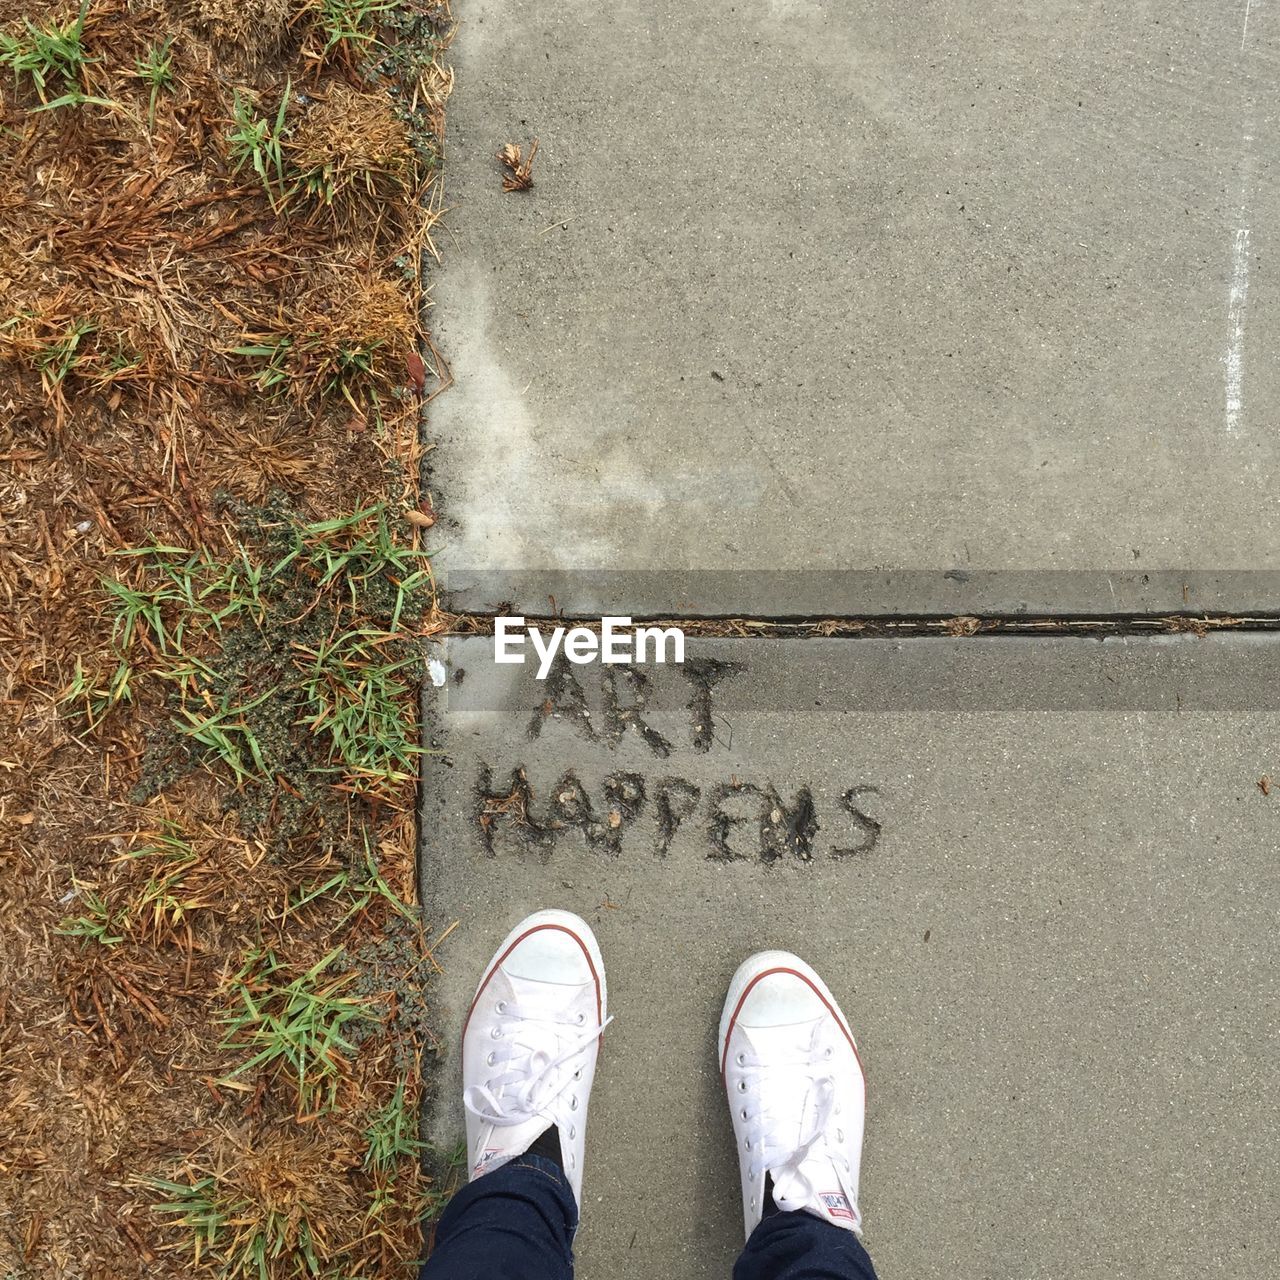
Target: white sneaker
<point x="530" y="1043"/>
<point x="796" y="1091"/>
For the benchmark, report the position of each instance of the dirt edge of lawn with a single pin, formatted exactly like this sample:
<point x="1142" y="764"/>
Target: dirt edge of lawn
<point x="213" y="341"/>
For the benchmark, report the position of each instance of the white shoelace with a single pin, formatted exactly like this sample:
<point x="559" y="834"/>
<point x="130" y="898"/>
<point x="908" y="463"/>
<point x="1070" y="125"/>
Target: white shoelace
<point x="784" y="1160"/>
<point x="544" y="1075"/>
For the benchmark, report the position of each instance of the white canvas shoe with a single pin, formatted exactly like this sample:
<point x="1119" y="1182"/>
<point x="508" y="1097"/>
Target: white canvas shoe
<point x="530" y="1043"/>
<point x="796" y="1091"/>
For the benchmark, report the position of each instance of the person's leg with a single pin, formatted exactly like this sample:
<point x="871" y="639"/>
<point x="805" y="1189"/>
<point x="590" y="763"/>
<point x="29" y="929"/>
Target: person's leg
<point x="516" y="1222"/>
<point x="529" y="1049"/>
<point x="801" y="1246"/>
<point x="797" y="1098"/>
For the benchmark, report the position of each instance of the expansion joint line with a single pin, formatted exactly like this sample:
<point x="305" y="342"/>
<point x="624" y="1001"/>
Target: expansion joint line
<point x="879" y="626"/>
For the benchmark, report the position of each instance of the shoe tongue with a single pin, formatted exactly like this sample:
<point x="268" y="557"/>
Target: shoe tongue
<point x="534" y="999"/>
<point x="790" y="1043"/>
<point x="797" y="1102"/>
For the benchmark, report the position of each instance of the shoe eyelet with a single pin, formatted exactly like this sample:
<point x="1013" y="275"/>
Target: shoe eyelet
<point x="747" y="1144"/>
<point x="839" y="1135"/>
<point x="496" y="1033"/>
<point x="577" y="1075"/>
<point x="742" y="1086"/>
<point x="827" y="1053"/>
<point x="573" y="1103"/>
<point x="572" y="1162"/>
<point x="743" y="1113"/>
<point x="581" y="1019"/>
<point x="751" y="1176"/>
<point x="741" y="1059"/>
<point x="573" y="1132"/>
<point x="500" y="1007"/>
<point x="491" y="1060"/>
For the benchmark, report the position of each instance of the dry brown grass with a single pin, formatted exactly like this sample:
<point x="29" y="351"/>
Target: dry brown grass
<point x="355" y="143"/>
<point x="258" y="27"/>
<point x="136" y="261"/>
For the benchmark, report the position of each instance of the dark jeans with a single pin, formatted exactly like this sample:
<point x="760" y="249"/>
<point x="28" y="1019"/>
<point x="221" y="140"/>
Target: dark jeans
<point x="517" y="1223"/>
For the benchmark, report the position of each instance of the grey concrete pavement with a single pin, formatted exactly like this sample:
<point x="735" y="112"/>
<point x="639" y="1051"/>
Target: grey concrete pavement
<point x="845" y="287"/>
<point x="822" y="309"/>
<point x="1040" y="876"/>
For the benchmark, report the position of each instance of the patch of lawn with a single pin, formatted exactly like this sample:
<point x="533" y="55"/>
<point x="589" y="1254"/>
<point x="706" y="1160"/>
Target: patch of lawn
<point x="291" y="664"/>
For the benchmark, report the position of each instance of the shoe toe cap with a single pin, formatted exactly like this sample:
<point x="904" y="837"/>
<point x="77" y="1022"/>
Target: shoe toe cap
<point x="780" y="999"/>
<point x="550" y="954"/>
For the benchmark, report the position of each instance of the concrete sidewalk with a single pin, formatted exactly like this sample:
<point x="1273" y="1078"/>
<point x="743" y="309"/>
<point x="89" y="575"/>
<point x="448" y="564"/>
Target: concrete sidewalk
<point x="802" y="286"/>
<point x="881" y="309"/>
<point x="1042" y="882"/>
